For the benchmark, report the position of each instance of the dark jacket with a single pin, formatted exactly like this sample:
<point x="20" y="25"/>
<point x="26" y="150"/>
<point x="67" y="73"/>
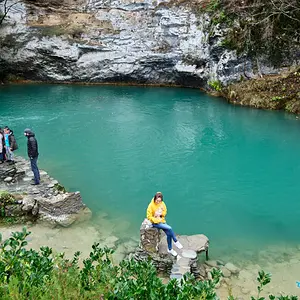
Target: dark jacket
<point x="32" y="145"/>
<point x="12" y="142"/>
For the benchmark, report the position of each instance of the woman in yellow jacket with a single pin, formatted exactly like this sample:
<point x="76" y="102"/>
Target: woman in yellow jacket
<point x="156" y="213"/>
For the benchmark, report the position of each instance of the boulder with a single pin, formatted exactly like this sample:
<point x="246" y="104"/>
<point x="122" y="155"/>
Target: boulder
<point x="63" y="209"/>
<point x="28" y="204"/>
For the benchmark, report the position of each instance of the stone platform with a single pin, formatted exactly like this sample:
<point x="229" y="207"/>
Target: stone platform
<point x="153" y="244"/>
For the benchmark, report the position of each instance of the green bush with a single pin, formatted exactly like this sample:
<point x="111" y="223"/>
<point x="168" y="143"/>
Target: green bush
<point x="6" y="197"/>
<point x="216" y="85"/>
<point x="29" y="274"/>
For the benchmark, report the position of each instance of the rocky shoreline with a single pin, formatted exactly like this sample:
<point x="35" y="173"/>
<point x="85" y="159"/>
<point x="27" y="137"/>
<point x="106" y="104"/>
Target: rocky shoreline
<point x="48" y="202"/>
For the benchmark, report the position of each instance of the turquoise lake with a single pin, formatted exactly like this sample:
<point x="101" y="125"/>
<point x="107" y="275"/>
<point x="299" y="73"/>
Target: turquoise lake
<point x="229" y="172"/>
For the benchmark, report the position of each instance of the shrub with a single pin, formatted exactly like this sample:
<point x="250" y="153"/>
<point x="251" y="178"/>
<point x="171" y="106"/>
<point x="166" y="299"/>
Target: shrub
<point x="29" y="274"/>
<point x="216" y="85"/>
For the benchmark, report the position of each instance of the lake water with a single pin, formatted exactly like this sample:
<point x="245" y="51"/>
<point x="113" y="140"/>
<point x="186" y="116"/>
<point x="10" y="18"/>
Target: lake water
<point x="229" y="172"/>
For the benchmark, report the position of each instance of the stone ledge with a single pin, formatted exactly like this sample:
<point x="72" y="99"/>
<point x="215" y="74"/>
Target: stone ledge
<point x="48" y="202"/>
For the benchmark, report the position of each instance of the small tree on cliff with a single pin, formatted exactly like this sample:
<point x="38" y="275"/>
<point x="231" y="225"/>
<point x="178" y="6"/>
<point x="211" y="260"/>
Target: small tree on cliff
<point x="5" y="7"/>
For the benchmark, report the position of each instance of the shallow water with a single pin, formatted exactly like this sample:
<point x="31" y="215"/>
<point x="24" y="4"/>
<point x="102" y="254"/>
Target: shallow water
<point x="229" y="172"/>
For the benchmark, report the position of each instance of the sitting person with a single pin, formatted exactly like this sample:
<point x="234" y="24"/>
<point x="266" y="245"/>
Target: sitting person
<point x="156" y="213"/>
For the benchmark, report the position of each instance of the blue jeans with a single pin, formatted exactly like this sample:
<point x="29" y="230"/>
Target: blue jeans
<point x="168" y="231"/>
<point x="35" y="170"/>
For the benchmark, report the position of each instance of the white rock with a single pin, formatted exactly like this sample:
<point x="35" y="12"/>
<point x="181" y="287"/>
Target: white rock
<point x="26" y="179"/>
<point x="8" y="179"/>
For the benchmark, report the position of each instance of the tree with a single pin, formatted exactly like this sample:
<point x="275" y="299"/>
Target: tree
<point x="5" y="7"/>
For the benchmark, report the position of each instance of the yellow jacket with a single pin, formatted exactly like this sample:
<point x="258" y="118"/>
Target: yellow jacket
<point x="152" y="208"/>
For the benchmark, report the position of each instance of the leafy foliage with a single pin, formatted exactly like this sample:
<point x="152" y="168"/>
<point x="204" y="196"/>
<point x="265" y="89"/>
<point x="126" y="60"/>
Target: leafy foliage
<point x="216" y="85"/>
<point x="259" y="27"/>
<point x="30" y="274"/>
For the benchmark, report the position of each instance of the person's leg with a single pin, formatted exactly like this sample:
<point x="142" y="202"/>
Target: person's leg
<point x="7" y="154"/>
<point x="35" y="170"/>
<point x="38" y="171"/>
<point x="12" y="156"/>
<point x="169" y="232"/>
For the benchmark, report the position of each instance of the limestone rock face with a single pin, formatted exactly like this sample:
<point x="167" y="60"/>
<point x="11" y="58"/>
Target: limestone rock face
<point x="148" y="41"/>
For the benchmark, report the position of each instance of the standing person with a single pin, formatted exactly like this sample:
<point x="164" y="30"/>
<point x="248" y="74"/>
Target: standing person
<point x="1" y="146"/>
<point x="10" y="144"/>
<point x="33" y="154"/>
<point x="156" y="213"/>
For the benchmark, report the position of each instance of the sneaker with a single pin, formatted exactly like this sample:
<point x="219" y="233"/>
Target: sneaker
<point x="173" y="252"/>
<point x="178" y="245"/>
<point x="35" y="183"/>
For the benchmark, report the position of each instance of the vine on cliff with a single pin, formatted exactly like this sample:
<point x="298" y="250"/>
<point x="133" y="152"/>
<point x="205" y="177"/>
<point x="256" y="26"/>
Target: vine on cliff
<point x="259" y="27"/>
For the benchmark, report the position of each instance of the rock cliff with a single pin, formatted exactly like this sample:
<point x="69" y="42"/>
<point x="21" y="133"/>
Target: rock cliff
<point x="131" y="41"/>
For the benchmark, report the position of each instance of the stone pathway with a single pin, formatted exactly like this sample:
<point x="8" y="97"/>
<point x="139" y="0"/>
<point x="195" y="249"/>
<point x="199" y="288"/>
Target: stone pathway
<point x="186" y="260"/>
<point x="153" y="243"/>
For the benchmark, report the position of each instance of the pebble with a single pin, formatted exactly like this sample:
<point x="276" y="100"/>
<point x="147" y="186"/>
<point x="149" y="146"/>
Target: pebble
<point x="50" y="185"/>
<point x="8" y="179"/>
<point x="27" y="179"/>
<point x="42" y="172"/>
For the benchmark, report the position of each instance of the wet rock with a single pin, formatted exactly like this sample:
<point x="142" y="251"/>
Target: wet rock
<point x="227" y="281"/>
<point x="225" y="272"/>
<point x="51" y="185"/>
<point x="220" y="263"/>
<point x="212" y="263"/>
<point x="245" y="275"/>
<point x="232" y="268"/>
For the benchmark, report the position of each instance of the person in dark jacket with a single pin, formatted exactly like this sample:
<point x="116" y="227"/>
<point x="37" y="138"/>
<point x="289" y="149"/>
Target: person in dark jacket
<point x="33" y="154"/>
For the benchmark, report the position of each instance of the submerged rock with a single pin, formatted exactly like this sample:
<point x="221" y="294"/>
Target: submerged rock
<point x="232" y="268"/>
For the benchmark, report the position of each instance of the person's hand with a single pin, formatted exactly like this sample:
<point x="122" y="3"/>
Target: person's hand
<point x="158" y="213"/>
